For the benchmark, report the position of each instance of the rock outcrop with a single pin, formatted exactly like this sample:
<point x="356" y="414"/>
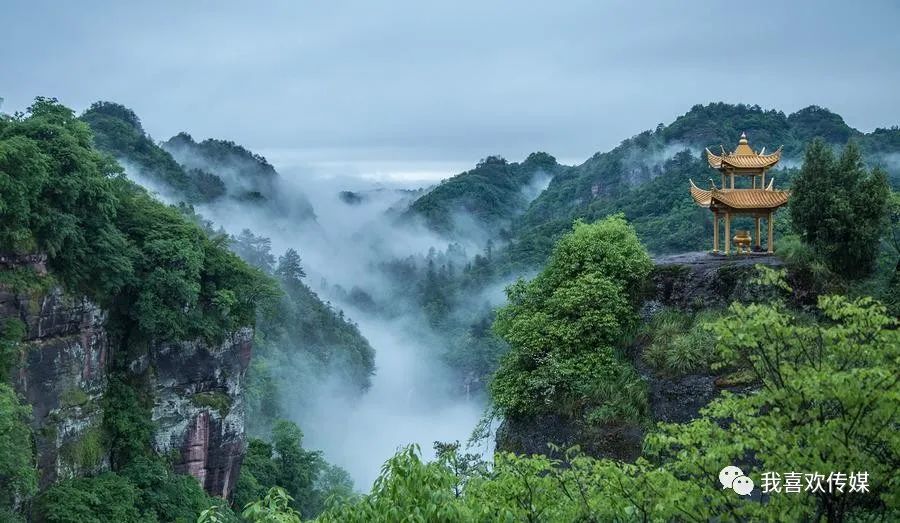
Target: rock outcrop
<point x="691" y="282"/>
<point x="199" y="407"/>
<point x="699" y="280"/>
<point x="198" y="389"/>
<point x="528" y="436"/>
<point x="61" y="373"/>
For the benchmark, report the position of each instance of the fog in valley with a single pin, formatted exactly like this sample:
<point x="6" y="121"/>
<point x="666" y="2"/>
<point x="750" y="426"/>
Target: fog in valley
<point x="414" y="396"/>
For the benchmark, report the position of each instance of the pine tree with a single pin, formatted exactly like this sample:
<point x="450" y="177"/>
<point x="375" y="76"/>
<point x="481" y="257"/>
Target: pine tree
<point x="289" y="268"/>
<point x="838" y="207"/>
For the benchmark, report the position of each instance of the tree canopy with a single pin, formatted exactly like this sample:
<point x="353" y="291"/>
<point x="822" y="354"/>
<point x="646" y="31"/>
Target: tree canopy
<point x="839" y="207"/>
<point x="563" y="327"/>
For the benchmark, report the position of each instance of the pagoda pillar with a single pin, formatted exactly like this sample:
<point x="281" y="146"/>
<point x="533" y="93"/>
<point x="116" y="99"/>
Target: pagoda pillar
<point x="771" y="242"/>
<point x="757" y="219"/>
<point x="727" y="232"/>
<point x="763" y="185"/>
<point x="732" y="180"/>
<point x="716" y="233"/>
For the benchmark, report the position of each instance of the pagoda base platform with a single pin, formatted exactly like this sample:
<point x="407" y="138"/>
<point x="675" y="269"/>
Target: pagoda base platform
<point x="710" y="258"/>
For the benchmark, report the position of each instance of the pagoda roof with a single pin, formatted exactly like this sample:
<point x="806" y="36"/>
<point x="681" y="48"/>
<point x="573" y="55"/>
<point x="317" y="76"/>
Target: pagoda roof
<point x="743" y="157"/>
<point x="767" y="198"/>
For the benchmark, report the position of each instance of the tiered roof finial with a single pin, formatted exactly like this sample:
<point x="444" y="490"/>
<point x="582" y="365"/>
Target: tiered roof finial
<point x="743" y="158"/>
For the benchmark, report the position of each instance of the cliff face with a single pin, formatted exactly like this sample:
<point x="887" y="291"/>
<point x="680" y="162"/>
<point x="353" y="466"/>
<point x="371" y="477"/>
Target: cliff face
<point x="61" y="374"/>
<point x="689" y="282"/>
<point x="198" y="389"/>
<point x="199" y="408"/>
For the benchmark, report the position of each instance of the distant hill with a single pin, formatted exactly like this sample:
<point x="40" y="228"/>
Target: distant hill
<point x="246" y="175"/>
<point x="241" y="170"/>
<point x="183" y="169"/>
<point x="118" y="132"/>
<point x="646" y="178"/>
<point x="487" y="197"/>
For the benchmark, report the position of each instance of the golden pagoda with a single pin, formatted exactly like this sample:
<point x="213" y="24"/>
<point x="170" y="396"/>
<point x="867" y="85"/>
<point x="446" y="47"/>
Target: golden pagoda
<point x="758" y="200"/>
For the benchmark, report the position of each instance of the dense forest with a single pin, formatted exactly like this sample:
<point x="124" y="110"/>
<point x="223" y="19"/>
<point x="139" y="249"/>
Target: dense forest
<point x="486" y="198"/>
<point x="810" y="352"/>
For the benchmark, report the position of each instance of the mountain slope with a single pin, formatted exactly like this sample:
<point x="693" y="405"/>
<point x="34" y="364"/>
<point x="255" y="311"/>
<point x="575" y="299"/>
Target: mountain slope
<point x="118" y="131"/>
<point x="488" y="196"/>
<point x="242" y="171"/>
<point x="644" y="178"/>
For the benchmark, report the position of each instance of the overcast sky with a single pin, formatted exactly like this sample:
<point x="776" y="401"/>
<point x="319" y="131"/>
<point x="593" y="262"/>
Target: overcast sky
<point x="428" y="87"/>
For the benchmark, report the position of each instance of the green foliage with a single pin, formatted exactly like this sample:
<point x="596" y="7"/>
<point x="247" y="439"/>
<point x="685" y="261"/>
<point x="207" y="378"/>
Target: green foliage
<point x="217" y="513"/>
<point x="189" y="284"/>
<point x="563" y="327"/>
<point x="127" y="421"/>
<point x="299" y="338"/>
<point x="146" y="491"/>
<point x="73" y="397"/>
<point x="215" y="400"/>
<point x="169" y="496"/>
<point x="86" y="453"/>
<point x="118" y="132"/>
<point x="407" y="490"/>
<point x="101" y="499"/>
<point x="109" y="239"/>
<point x="11" y="332"/>
<point x="680" y="343"/>
<point x="220" y="167"/>
<point x="25" y="280"/>
<point x="643" y="179"/>
<point x="18" y="477"/>
<point x="490" y="194"/>
<point x="303" y="475"/>
<point x="838" y="207"/>
<point x="289" y="270"/>
<point x="57" y="197"/>
<point x="274" y="508"/>
<point x="827" y="402"/>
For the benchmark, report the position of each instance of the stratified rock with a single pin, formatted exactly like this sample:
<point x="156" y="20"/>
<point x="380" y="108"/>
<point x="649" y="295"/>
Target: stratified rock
<point x="198" y="389"/>
<point x="199" y="407"/>
<point x="534" y="435"/>
<point x="699" y="280"/>
<point x="61" y="374"/>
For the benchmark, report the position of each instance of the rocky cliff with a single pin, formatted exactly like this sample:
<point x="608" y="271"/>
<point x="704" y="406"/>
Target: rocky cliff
<point x="690" y="282"/>
<point x="198" y="409"/>
<point x="62" y="371"/>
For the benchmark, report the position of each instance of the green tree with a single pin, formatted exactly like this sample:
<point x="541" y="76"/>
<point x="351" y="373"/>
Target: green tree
<point x="255" y="250"/>
<point x="105" y="498"/>
<point x="826" y="398"/>
<point x="302" y="474"/>
<point x="297" y="468"/>
<point x="274" y="508"/>
<point x="18" y="477"/>
<point x="838" y="207"/>
<point x="289" y="267"/>
<point x="564" y="328"/>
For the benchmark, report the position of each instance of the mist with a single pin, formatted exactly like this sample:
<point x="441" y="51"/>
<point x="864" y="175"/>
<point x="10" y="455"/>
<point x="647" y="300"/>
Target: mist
<point x="414" y="398"/>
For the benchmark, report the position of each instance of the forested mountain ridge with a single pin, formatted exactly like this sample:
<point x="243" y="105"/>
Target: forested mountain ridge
<point x="126" y="328"/>
<point x="182" y="169"/>
<point x="488" y="196"/>
<point x="246" y="175"/>
<point x="117" y="131"/>
<point x="644" y="178"/>
<point x="301" y="323"/>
